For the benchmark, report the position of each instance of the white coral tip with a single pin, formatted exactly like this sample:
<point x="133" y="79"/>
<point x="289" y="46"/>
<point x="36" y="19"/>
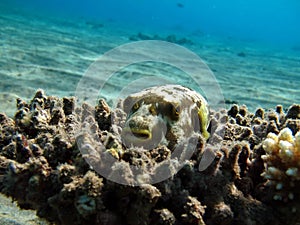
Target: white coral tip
<point x="286" y="135"/>
<point x="269" y="145"/>
<point x="286" y="155"/>
<point x="285" y="145"/>
<point x="272" y="136"/>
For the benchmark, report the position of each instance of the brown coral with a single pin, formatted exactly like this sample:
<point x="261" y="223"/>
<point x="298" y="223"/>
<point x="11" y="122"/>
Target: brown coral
<point x="42" y="168"/>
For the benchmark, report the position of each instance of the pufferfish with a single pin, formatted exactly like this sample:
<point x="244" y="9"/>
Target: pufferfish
<point x="164" y="115"/>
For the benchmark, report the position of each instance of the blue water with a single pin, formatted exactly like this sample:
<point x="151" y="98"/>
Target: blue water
<point x="253" y="47"/>
<point x="275" y="22"/>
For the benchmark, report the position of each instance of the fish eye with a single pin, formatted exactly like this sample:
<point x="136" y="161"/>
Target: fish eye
<point x="153" y="110"/>
<point x="136" y="106"/>
<point x="177" y="110"/>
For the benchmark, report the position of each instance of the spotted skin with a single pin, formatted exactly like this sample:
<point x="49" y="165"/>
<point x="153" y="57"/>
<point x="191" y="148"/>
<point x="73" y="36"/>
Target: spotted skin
<point x="164" y="115"/>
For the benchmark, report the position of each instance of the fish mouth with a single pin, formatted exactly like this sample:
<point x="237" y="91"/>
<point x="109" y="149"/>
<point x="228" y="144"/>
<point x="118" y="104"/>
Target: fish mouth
<point x="142" y="134"/>
<point x="139" y="137"/>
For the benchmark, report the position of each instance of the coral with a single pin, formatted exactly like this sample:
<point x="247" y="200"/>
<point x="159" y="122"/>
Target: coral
<point x="81" y="198"/>
<point x="162" y="217"/>
<point x="283" y="163"/>
<point x="42" y="168"/>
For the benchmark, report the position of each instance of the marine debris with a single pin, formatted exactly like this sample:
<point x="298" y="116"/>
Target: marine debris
<point x="42" y="168"/>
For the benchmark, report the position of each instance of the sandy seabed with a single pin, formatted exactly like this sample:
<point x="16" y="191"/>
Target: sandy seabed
<point x="54" y="53"/>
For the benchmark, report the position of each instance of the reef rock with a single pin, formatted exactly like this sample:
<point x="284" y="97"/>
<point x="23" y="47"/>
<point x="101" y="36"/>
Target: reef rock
<point x="45" y="164"/>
